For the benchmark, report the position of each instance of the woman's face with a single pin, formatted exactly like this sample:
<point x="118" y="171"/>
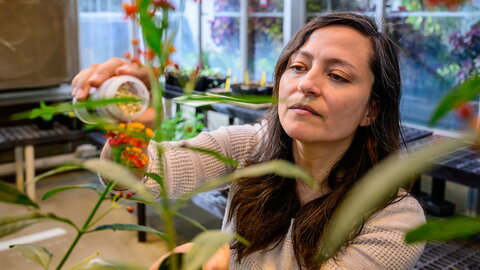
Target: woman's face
<point x="324" y="92"/>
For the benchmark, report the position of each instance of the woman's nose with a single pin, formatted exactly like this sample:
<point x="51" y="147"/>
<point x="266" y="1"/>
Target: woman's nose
<point x="310" y="84"/>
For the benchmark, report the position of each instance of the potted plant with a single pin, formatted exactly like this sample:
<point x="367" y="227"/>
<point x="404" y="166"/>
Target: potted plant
<point x="209" y="78"/>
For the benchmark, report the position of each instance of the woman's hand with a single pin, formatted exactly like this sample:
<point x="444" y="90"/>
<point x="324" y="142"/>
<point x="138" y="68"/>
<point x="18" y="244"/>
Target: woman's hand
<point x="96" y="74"/>
<point x="219" y="261"/>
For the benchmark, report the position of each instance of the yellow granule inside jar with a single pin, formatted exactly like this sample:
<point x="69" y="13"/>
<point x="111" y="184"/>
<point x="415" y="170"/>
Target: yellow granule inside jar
<point x="130" y="108"/>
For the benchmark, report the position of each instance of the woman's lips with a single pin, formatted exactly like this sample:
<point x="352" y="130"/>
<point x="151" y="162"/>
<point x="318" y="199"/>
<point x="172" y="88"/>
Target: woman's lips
<point x="303" y="109"/>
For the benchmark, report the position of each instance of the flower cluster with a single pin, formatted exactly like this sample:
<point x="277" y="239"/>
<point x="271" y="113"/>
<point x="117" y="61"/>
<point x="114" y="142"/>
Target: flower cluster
<point x="127" y="142"/>
<point x="449" y="4"/>
<point x="466" y="51"/>
<point x="132" y="13"/>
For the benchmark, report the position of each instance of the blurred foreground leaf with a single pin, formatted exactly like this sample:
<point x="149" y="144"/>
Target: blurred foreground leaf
<point x="11" y="194"/>
<point x="10" y="225"/>
<point x="374" y="188"/>
<point x="444" y="229"/>
<point x="129" y="227"/>
<point x="279" y="167"/>
<point x="35" y="253"/>
<point x="112" y="171"/>
<point x="466" y="91"/>
<point x="63" y="168"/>
<point x="204" y="246"/>
<point x="55" y="191"/>
<point x="214" y="154"/>
<point x="48" y="111"/>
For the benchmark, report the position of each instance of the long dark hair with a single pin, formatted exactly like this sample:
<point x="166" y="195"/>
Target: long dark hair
<point x="262" y="207"/>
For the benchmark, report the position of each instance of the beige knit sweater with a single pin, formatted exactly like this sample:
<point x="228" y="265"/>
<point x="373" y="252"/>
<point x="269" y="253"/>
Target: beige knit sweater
<point x="380" y="244"/>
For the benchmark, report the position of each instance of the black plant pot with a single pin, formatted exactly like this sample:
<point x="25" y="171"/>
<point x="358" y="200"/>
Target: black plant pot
<point x="176" y="80"/>
<point x="265" y="90"/>
<point x="243" y="89"/>
<point x="44" y="124"/>
<point x="71" y="123"/>
<point x="204" y="83"/>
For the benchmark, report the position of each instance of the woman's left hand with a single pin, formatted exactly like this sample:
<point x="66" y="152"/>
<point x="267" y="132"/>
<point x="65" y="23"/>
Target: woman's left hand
<point x="219" y="261"/>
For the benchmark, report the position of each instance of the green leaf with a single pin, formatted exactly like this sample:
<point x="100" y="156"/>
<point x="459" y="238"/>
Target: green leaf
<point x="10" y="194"/>
<point x="111" y="171"/>
<point x="279" y="167"/>
<point x="214" y="154"/>
<point x="157" y="179"/>
<point x="61" y="169"/>
<point x="466" y="91"/>
<point x="225" y="99"/>
<point x="373" y="189"/>
<point x="444" y="229"/>
<point x="35" y="253"/>
<point x="55" y="191"/>
<point x="191" y="220"/>
<point x="9" y="225"/>
<point x="152" y="34"/>
<point x="129" y="227"/>
<point x="204" y="246"/>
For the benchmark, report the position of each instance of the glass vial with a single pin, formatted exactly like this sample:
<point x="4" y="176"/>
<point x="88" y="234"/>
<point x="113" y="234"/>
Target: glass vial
<point x="116" y="87"/>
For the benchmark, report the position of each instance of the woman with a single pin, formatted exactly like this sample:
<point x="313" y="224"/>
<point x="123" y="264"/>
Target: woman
<point x="339" y="85"/>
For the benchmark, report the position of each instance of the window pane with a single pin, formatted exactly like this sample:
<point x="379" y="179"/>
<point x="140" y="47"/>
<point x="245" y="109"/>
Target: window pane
<point x="224" y="5"/>
<point x="436" y="53"/>
<point x="221" y="43"/>
<point x="430" y="5"/>
<point x="186" y="39"/>
<point x="265" y="45"/>
<point x="265" y="5"/>
<point x="103" y="31"/>
<point x="316" y="6"/>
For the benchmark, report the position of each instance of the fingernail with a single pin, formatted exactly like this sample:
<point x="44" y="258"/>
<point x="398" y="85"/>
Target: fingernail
<point x="80" y="94"/>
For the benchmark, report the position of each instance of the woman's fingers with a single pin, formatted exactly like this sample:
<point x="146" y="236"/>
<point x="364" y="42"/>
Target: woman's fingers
<point x="80" y="86"/>
<point x="94" y="76"/>
<point x="105" y="71"/>
<point x="220" y="260"/>
<point x="136" y="70"/>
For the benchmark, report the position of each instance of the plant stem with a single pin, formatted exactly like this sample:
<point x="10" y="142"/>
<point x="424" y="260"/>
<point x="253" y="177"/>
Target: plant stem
<point x="67" y="254"/>
<point x="172" y="236"/>
<point x="95" y="208"/>
<point x="99" y="217"/>
<point x="85" y="225"/>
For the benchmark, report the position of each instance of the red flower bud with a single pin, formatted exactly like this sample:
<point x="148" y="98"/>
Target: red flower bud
<point x="128" y="194"/>
<point x="129" y="209"/>
<point x="465" y="111"/>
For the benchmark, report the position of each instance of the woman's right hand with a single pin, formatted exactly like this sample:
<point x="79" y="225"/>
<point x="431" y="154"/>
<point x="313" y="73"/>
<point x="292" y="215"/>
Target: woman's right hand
<point x="96" y="74"/>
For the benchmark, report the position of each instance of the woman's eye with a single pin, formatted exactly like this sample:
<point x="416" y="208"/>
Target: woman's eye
<point x="297" y="68"/>
<point x="337" y="78"/>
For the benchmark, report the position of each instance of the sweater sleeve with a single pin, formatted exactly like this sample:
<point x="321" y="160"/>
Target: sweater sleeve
<point x="380" y="244"/>
<point x="185" y="169"/>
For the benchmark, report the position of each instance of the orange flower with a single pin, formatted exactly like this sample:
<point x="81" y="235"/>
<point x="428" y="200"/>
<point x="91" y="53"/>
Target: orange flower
<point x="135" y="41"/>
<point x="150" y="55"/>
<point x="130" y="10"/>
<point x="172" y="49"/>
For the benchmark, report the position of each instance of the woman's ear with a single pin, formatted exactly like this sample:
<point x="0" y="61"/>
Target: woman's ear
<point x="370" y="114"/>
